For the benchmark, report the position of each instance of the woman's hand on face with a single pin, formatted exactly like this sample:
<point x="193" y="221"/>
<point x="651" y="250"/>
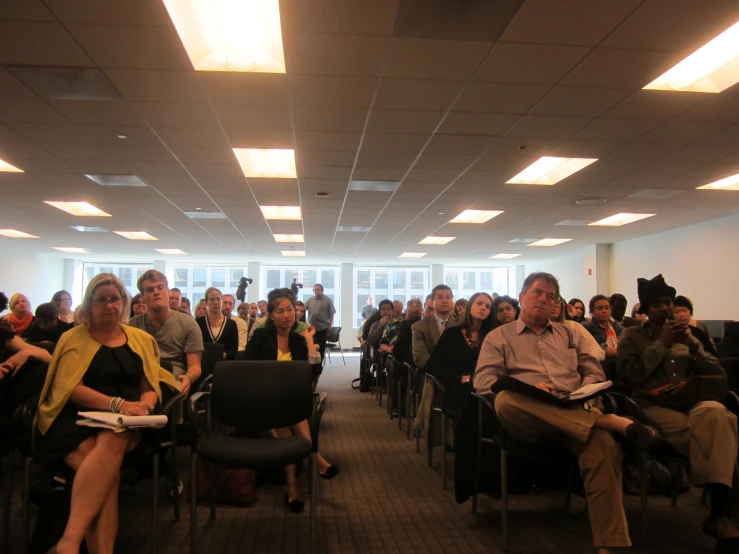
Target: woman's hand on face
<point x="136" y="408"/>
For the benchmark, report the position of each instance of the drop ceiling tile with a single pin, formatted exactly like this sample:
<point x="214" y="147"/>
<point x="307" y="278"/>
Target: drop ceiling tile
<point x="574" y="148"/>
<point x="208" y="169"/>
<point x="28" y="111"/>
<point x="192" y="137"/>
<point x="131" y="12"/>
<point x="51" y="133"/>
<point x="581" y="101"/>
<point x="403" y="121"/>
<point x="260" y="138"/>
<point x="542" y="126"/>
<point x="617" y="129"/>
<point x="8" y="135"/>
<point x="317" y="140"/>
<point x="230" y="87"/>
<point x="105" y="167"/>
<point x="170" y="114"/>
<point x="529" y="63"/>
<point x="619" y="68"/>
<point x="325" y="172"/>
<point x="399" y="160"/>
<point x="346" y="120"/>
<point x="318" y="157"/>
<point x="445" y="161"/>
<point x="380" y="173"/>
<point x="252" y="117"/>
<point x="131" y="153"/>
<point x="463" y="123"/>
<point x="146" y="47"/>
<point x="577" y="22"/>
<point x="337" y="16"/>
<point x="459" y="144"/>
<point x="12" y="151"/>
<point x="452" y="60"/>
<point x="406" y="94"/>
<point x="645" y="151"/>
<point x="157" y="86"/>
<point x="11" y="87"/>
<point x="324" y="54"/>
<point x="656" y="104"/>
<point x="381" y="142"/>
<point x="331" y="91"/>
<point x="108" y="134"/>
<point x="499" y="98"/>
<point x="79" y="152"/>
<point x="445" y="176"/>
<point x="97" y="113"/>
<point x="683" y="131"/>
<point x="153" y="168"/>
<point x="27" y="10"/>
<point x="729" y="136"/>
<point x="37" y="43"/>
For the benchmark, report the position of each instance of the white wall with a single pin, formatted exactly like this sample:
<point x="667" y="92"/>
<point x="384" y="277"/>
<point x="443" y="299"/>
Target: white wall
<point x="701" y="261"/>
<point x="572" y="272"/>
<point x="36" y="275"/>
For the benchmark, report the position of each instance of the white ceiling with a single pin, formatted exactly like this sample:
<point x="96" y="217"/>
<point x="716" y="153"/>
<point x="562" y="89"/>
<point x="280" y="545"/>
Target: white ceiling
<point x="439" y="95"/>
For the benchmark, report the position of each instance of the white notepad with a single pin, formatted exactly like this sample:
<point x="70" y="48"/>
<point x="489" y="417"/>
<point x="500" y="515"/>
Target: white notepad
<point x="120" y="422"/>
<point x="589" y="390"/>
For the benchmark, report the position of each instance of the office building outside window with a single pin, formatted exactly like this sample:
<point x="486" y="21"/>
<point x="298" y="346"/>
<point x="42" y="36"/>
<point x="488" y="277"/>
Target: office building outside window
<point x="395" y="283"/>
<point x="466" y="281"/>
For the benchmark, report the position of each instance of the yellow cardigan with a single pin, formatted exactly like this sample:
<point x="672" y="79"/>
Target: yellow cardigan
<point x="72" y="357"/>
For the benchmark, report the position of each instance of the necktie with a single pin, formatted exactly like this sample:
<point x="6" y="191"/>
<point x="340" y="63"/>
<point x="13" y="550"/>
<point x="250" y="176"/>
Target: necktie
<point x="443" y="327"/>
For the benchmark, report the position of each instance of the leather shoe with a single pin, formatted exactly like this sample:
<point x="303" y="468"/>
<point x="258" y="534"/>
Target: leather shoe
<point x="295" y="506"/>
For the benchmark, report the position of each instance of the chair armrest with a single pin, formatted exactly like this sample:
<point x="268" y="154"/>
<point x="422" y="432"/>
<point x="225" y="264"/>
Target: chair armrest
<point x="438" y="390"/>
<point x="499" y="436"/>
<point x="192" y="405"/>
<point x="172" y="402"/>
<point x="625" y="406"/>
<point x="204" y="383"/>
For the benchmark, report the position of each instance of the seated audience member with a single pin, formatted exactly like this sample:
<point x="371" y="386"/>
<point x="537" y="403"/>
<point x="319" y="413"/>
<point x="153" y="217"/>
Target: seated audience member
<point x="228" y="307"/>
<point x="253" y="310"/>
<point x="682" y="309"/>
<point x="402" y="349"/>
<point x="397" y="308"/>
<point x="200" y="309"/>
<point x="579" y="306"/>
<point x="637" y="315"/>
<point x="300" y="310"/>
<point x="392" y="329"/>
<point x="47" y="326"/>
<point x="664" y="352"/>
<point x="428" y="307"/>
<point x="243" y="311"/>
<point x="261" y="318"/>
<point x="175" y="297"/>
<point x="454" y="359"/>
<point x="558" y="315"/>
<point x="138" y="306"/>
<point x="378" y="327"/>
<point x="460" y="306"/>
<point x="185" y="306"/>
<point x="217" y="328"/>
<point x="367" y="326"/>
<point x="604" y="331"/>
<point x="99" y="365"/>
<point x="277" y="341"/>
<point x="505" y="309"/>
<point x="20" y="317"/>
<point x="22" y="350"/>
<point x="618" y="311"/>
<point x="729" y="345"/>
<point x="426" y="332"/>
<point x="177" y="335"/>
<point x="63" y="302"/>
<point x="516" y="350"/>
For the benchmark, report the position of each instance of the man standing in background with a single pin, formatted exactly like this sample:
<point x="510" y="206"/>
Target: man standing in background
<point x="320" y="310"/>
<point x="368" y="310"/>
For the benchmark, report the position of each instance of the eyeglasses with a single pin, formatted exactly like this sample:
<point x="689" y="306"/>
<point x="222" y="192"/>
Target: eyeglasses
<point x="102" y="302"/>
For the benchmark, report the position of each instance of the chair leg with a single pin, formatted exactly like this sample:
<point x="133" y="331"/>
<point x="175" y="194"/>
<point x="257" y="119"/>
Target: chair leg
<point x="430" y="439"/>
<point x="443" y="451"/>
<point x="568" y="491"/>
<point x="313" y="503"/>
<point x="212" y="474"/>
<point x="504" y="497"/>
<point x="408" y="411"/>
<point x="7" y="501"/>
<point x="176" y="479"/>
<point x="27" y="504"/>
<point x="390" y="397"/>
<point x="644" y="497"/>
<point x="193" y="502"/>
<point x="155" y="501"/>
<point x="342" y="353"/>
<point x="399" y="403"/>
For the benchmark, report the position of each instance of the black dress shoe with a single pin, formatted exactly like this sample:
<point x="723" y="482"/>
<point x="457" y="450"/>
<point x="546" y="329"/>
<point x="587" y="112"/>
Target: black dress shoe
<point x="330" y="473"/>
<point x="295" y="506"/>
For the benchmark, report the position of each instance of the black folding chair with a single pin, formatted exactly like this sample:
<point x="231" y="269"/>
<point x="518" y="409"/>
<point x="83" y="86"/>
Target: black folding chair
<point x="254" y="396"/>
<point x="333" y="340"/>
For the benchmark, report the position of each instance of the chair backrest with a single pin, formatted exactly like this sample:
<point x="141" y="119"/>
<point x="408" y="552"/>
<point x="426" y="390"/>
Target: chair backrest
<point x="255" y="395"/>
<point x="731" y="365"/>
<point x="240" y="355"/>
<point x="333" y="336"/>
<point x="212" y="354"/>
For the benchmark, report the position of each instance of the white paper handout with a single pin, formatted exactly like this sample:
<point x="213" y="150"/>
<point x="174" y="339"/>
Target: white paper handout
<point x="589" y="390"/>
<point x="120" y="422"/>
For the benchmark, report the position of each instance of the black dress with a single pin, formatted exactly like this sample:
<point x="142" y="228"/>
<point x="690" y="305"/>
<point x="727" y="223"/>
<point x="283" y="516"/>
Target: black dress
<point x="228" y="335"/>
<point x="113" y="372"/>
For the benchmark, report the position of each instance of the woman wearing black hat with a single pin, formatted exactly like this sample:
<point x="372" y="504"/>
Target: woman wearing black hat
<point x="682" y="309"/>
<point x="680" y="387"/>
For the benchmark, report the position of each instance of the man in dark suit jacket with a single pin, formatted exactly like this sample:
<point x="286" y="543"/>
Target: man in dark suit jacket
<point x="426" y="332"/>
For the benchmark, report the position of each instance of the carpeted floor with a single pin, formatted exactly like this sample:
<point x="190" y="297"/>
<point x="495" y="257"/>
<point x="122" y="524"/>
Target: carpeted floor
<point x="387" y="500"/>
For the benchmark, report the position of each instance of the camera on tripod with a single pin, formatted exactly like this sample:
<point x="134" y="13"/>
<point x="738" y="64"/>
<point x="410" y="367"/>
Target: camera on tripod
<point x="295" y="287"/>
<point x="244" y="283"/>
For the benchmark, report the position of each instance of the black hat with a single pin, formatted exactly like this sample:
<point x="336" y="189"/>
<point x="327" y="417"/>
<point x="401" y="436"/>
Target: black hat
<point x="650" y="290"/>
<point x="683" y="302"/>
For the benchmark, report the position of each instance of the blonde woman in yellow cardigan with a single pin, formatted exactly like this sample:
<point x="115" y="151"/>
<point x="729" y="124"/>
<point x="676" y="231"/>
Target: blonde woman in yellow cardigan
<point x="101" y="365"/>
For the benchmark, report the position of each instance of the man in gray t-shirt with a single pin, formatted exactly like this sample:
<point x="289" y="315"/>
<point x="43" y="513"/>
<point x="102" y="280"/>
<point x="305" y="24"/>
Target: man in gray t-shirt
<point x="178" y="336"/>
<point x="320" y="314"/>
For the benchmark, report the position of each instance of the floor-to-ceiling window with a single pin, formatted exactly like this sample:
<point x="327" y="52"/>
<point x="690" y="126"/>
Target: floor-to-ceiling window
<point x="128" y="273"/>
<point x="194" y="280"/>
<point x="466" y="281"/>
<point x="395" y="283"/>
<point x="278" y="276"/>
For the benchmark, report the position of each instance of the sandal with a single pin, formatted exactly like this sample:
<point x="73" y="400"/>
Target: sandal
<point x="330" y="473"/>
<point x="642" y="436"/>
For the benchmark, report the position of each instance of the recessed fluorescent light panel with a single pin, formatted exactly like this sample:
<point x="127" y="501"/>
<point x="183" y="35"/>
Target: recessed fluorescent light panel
<point x="291" y="213"/>
<point x="549" y="170"/>
<point x="620" y="219"/>
<point x="412" y="255"/>
<point x="268" y="164"/>
<point x="83" y="229"/>
<point x="437" y="240"/>
<point x="374" y="186"/>
<point x="729" y="183"/>
<point x="344" y="229"/>
<point x="135" y="235"/>
<point x="79" y="209"/>
<point x="5" y="166"/>
<point x="289" y="238"/>
<point x="171" y="251"/>
<point x="230" y="35"/>
<point x="504" y="256"/>
<point x="116" y="180"/>
<point x="712" y="68"/>
<point x="71" y="249"/>
<point x="205" y="215"/>
<point x="475" y="216"/>
<point x="15" y="234"/>
<point x="293" y="253"/>
<point x="548" y="242"/>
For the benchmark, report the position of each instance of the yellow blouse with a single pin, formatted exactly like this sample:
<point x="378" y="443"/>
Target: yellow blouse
<point x="286" y="357"/>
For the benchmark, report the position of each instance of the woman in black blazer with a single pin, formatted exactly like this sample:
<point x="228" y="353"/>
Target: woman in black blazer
<point x="278" y="341"/>
<point x="216" y="327"/>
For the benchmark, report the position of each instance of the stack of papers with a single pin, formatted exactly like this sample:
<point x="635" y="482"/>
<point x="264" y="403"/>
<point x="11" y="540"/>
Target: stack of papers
<point x="589" y="390"/>
<point x="120" y="422"/>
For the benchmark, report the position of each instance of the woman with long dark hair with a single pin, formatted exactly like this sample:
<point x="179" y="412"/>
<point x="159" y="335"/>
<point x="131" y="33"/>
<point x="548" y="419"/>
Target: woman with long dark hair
<point x="579" y="314"/>
<point x="300" y="310"/>
<point x="63" y="302"/>
<point x="454" y="358"/>
<point x="505" y="310"/>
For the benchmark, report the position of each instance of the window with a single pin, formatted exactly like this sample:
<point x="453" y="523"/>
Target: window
<point x="218" y="278"/>
<point x="236" y="275"/>
<point x="193" y="281"/>
<point x="465" y="282"/>
<point x="199" y="277"/>
<point x="181" y="278"/>
<point x="125" y="272"/>
<point x="275" y="277"/>
<point x="396" y="283"/>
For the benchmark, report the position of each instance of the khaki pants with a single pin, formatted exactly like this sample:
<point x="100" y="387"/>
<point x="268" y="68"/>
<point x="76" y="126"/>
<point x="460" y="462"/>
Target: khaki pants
<point x="707" y="435"/>
<point x="598" y="454"/>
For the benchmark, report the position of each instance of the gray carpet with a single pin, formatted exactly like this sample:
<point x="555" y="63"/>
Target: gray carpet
<point x="387" y="500"/>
